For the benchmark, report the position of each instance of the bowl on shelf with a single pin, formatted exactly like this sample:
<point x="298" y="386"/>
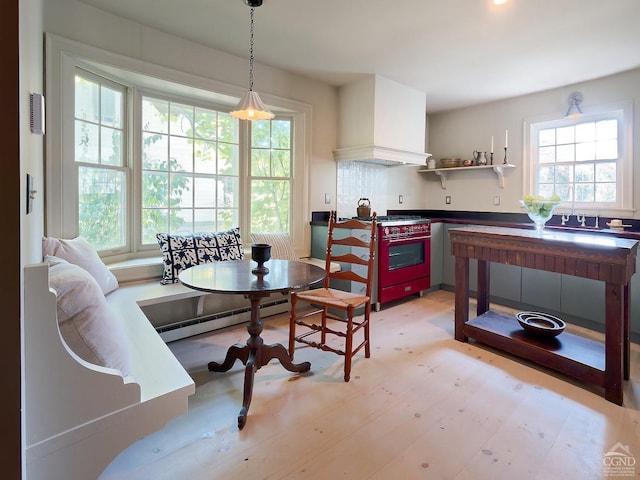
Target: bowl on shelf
<point x="449" y="162"/>
<point x="540" y="209"/>
<point x="541" y="324"/>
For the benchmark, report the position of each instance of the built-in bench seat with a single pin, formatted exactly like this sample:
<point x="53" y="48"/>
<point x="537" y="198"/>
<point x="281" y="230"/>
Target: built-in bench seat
<point x="79" y="416"/>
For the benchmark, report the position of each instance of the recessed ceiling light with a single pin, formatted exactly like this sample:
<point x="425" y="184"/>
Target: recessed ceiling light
<point x="499" y="2"/>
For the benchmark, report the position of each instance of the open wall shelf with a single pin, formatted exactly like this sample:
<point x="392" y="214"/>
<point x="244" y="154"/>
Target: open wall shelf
<point x="444" y="173"/>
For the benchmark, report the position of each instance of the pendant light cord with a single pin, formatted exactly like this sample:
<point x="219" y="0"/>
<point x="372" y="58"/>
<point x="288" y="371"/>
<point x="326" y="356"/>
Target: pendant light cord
<point x="251" y="51"/>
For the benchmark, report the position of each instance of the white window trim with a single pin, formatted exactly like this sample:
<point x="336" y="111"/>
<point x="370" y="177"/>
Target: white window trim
<point x="63" y="55"/>
<point x="625" y="184"/>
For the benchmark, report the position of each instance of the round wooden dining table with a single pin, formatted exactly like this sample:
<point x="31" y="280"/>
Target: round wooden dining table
<point x="236" y="277"/>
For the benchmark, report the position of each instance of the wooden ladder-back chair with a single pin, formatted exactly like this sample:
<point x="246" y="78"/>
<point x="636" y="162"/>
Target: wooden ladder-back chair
<point x="351" y="243"/>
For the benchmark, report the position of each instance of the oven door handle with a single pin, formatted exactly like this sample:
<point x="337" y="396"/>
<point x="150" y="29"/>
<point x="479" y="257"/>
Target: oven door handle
<point x="405" y="239"/>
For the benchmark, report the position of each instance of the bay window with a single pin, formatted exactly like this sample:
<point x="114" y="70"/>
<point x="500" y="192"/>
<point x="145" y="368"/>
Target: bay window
<point x="133" y="156"/>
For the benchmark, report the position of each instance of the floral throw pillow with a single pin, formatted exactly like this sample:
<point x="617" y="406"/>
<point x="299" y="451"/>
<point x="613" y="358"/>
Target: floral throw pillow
<point x="180" y="252"/>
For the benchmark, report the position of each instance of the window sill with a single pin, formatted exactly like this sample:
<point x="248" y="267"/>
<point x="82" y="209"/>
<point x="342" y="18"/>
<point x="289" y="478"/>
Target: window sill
<point x="138" y="269"/>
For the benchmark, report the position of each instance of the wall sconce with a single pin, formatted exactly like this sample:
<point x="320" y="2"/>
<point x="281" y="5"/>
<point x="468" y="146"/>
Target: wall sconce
<point x="575" y="99"/>
<point x="250" y="106"/>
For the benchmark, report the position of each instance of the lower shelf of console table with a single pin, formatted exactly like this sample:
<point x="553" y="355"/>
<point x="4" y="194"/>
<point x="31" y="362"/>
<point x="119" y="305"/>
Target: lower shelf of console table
<point x="579" y="357"/>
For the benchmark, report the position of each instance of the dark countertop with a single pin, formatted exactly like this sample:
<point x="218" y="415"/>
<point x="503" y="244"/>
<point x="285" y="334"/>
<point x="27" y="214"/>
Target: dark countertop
<point x="515" y="220"/>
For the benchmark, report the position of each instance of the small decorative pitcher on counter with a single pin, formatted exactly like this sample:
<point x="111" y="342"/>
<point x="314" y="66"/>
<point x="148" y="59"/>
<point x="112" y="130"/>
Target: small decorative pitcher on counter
<point x="480" y="157"/>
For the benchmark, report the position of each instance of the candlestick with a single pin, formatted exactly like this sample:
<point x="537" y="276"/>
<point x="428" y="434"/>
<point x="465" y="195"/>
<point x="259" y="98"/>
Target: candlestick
<point x="505" y="156"/>
<point x="506" y="138"/>
<point x="491" y="158"/>
<point x="491" y="144"/>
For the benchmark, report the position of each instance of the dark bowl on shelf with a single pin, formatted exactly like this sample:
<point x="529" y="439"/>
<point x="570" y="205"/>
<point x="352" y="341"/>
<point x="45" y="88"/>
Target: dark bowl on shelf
<point x="541" y="324"/>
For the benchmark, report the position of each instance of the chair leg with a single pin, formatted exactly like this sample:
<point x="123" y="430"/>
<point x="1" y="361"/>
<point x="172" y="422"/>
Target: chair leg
<point x="292" y="325"/>
<point x="323" y="331"/>
<point x="367" y="345"/>
<point x="348" y="349"/>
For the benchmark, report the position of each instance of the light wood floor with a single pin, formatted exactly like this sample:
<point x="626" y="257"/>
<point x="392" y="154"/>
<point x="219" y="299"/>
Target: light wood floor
<point x="422" y="407"/>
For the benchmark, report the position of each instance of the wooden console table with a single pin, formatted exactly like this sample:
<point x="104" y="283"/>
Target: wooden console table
<point x="595" y="256"/>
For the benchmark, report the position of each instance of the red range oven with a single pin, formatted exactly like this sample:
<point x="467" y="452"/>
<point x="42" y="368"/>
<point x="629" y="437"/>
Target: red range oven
<point x="404" y="258"/>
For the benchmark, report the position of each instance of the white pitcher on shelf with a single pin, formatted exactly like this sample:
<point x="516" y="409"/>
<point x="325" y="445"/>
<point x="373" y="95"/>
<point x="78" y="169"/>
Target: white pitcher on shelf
<point x="480" y="157"/>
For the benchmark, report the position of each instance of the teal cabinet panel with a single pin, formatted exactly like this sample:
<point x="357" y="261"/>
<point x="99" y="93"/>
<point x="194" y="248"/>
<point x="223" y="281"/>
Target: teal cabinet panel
<point x="437" y="253"/>
<point x="319" y="241"/>
<point x="583" y="298"/>
<point x="448" y="261"/>
<point x="505" y="281"/>
<point x="541" y="289"/>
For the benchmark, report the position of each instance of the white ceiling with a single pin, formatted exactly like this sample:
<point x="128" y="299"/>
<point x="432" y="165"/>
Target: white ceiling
<point x="460" y="52"/>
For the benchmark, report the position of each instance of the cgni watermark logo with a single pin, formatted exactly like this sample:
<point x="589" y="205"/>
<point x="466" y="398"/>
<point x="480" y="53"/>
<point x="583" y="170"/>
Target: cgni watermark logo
<point x="619" y="461"/>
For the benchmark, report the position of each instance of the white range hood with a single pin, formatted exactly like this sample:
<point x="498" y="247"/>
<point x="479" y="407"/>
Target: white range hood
<point x="381" y="122"/>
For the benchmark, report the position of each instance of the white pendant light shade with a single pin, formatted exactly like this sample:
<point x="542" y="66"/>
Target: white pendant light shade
<point x="252" y="108"/>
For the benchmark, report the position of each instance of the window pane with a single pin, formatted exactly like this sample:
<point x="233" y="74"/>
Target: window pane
<point x="564" y="191"/>
<point x="87" y="142"/>
<point x="228" y="159"/>
<point x="154" y="220"/>
<point x="585" y="192"/>
<point x="87" y="95"/>
<point x="205" y="161"/>
<point x="585" y="132"/>
<point x="606" y="129"/>
<point x="181" y="221"/>
<point x="181" y="120"/>
<point x="270" y="201"/>
<point x="260" y="134"/>
<point x="111" y="147"/>
<point x="564" y="173"/>
<point x="281" y="163"/>
<point x="111" y="107"/>
<point x="101" y="195"/>
<point x="585" y="151"/>
<point x="547" y="154"/>
<point x="546" y="174"/>
<point x="227" y="128"/>
<point x="605" y="192"/>
<point x="181" y="154"/>
<point x="205" y="220"/>
<point x="566" y="153"/>
<point x="155" y="115"/>
<point x="260" y="163"/>
<point x="606" y="172"/>
<point x="181" y="191"/>
<point x="204" y="192"/>
<point x="565" y="135"/>
<point x="607" y="149"/>
<point x="227" y="219"/>
<point x="155" y="190"/>
<point x="227" y="195"/>
<point x="155" y="149"/>
<point x="280" y="133"/>
<point x="585" y="173"/>
<point x="205" y="125"/>
<point x="547" y="137"/>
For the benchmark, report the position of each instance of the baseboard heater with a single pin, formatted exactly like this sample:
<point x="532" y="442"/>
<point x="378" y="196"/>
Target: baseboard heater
<point x="197" y="325"/>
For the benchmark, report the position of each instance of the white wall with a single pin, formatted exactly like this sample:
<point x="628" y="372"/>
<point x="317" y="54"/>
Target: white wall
<point x="31" y="145"/>
<point x="457" y="133"/>
<point x="88" y="25"/>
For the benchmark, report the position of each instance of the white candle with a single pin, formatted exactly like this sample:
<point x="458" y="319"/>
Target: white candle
<point x="506" y="138"/>
<point x="491" y="143"/>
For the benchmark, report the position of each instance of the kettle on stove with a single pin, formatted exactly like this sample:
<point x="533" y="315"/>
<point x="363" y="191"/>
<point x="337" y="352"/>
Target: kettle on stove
<point x="364" y="207"/>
